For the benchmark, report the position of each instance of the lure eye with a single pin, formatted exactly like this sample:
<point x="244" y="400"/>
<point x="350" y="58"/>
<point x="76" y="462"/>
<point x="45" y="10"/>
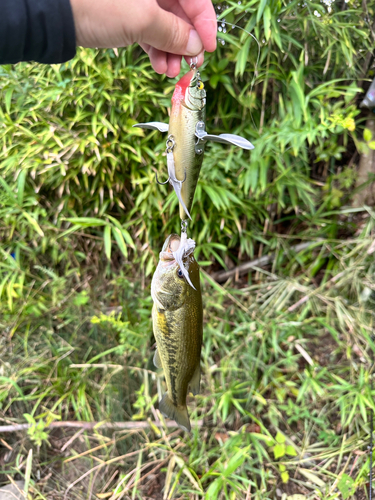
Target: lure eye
<point x="180" y="274"/>
<point x="200" y="85"/>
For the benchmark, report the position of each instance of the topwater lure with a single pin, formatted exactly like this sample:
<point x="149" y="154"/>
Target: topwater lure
<point x="187" y="137"/>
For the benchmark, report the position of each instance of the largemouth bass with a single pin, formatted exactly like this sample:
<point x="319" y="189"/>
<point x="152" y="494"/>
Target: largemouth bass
<point x="177" y="317"/>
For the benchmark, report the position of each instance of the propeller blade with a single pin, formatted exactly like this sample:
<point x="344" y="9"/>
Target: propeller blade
<point x="162" y="127"/>
<point x="233" y="139"/>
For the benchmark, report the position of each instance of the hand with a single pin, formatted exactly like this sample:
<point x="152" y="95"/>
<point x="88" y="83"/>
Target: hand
<point x="165" y="29"/>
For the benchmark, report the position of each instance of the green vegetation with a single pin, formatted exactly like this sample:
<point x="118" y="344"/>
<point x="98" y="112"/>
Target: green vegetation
<point x="288" y="348"/>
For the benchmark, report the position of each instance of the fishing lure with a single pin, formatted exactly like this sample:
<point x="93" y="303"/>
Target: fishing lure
<point x="187" y="137"/>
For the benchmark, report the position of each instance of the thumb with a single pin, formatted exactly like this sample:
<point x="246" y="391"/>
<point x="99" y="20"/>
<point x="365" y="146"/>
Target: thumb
<point x="170" y="33"/>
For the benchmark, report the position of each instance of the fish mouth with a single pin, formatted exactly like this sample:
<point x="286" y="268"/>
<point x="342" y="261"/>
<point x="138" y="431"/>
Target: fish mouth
<point x="173" y="255"/>
<point x="171" y="245"/>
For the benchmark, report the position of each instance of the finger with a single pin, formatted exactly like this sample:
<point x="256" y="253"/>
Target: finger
<point x="174" y="65"/>
<point x="158" y="60"/>
<point x="174" y="7"/>
<point x="169" y="33"/>
<point x="199" y="59"/>
<point x="202" y="15"/>
<point x="145" y="47"/>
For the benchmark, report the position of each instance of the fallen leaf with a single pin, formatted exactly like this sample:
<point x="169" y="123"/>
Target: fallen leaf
<point x="253" y="428"/>
<point x="221" y="436"/>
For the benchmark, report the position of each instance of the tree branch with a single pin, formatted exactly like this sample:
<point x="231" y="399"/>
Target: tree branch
<point x="262" y="261"/>
<point x="97" y="425"/>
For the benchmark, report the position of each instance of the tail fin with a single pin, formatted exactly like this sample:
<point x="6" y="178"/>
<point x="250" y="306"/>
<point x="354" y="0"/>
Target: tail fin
<point x="179" y="414"/>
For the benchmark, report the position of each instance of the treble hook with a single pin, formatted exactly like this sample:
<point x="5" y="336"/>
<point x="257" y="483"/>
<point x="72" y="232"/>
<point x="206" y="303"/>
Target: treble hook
<point x="161" y="183"/>
<point x="176" y="180"/>
<point x="169" y="179"/>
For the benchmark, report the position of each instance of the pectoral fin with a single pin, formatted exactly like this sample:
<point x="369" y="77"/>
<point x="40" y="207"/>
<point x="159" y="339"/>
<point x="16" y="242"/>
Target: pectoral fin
<point x="195" y="381"/>
<point x="232" y="139"/>
<point x="157" y="360"/>
<point x="162" y="127"/>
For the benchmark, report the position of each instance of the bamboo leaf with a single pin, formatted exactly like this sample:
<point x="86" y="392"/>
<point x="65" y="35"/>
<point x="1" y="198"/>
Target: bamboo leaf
<point x="21" y="186"/>
<point x="107" y="241"/>
<point x="33" y="223"/>
<point x="120" y="241"/>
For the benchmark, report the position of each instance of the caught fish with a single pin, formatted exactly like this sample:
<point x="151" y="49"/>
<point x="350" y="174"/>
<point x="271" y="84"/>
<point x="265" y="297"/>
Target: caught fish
<point x="187" y="138"/>
<point x="177" y="317"/>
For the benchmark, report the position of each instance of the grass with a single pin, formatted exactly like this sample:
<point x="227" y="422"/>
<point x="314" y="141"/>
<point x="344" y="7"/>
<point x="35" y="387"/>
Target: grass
<point x="286" y="389"/>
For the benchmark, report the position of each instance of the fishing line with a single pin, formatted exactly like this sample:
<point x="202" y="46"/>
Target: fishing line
<point x="258" y="57"/>
<point x="256" y="64"/>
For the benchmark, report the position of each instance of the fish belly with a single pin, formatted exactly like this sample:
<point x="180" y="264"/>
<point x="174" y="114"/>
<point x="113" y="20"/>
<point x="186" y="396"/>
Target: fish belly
<point x="182" y="126"/>
<point x="179" y="339"/>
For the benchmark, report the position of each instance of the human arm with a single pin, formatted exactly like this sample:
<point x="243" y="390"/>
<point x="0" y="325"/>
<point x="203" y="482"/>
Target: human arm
<point x="44" y="31"/>
<point x="166" y="29"/>
<point x="37" y="30"/>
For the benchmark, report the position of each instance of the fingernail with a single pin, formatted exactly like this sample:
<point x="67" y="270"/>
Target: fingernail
<point x="194" y="45"/>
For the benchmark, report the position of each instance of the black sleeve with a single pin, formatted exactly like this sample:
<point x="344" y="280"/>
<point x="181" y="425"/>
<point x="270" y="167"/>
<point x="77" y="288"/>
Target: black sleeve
<point x="36" y="30"/>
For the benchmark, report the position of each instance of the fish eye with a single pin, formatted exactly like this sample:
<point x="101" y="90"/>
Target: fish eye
<point x="180" y="274"/>
<point x="200" y="85"/>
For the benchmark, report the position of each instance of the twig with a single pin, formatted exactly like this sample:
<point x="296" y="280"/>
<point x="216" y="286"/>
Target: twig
<point x="304" y="354"/>
<point x="73" y="438"/>
<point x="262" y="261"/>
<point x="97" y="425"/>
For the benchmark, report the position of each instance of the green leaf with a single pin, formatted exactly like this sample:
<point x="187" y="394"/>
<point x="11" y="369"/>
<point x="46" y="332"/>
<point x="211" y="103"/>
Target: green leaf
<point x="242" y="57"/>
<point x="34" y="223"/>
<point x="267" y="22"/>
<point x="279" y="450"/>
<point x="21" y="186"/>
<point x="7" y="189"/>
<point x="107" y="241"/>
<point x="236" y="461"/>
<point x="261" y="9"/>
<point x="127" y="238"/>
<point x="214" y="489"/>
<point x="8" y="99"/>
<point x="214" y="80"/>
<point x="86" y="221"/>
<point x="81" y="299"/>
<point x="120" y="241"/>
<point x="291" y="451"/>
<point x="346" y="486"/>
<point x="371" y="145"/>
<point x="285" y="477"/>
<point x="280" y="438"/>
<point x="367" y="135"/>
